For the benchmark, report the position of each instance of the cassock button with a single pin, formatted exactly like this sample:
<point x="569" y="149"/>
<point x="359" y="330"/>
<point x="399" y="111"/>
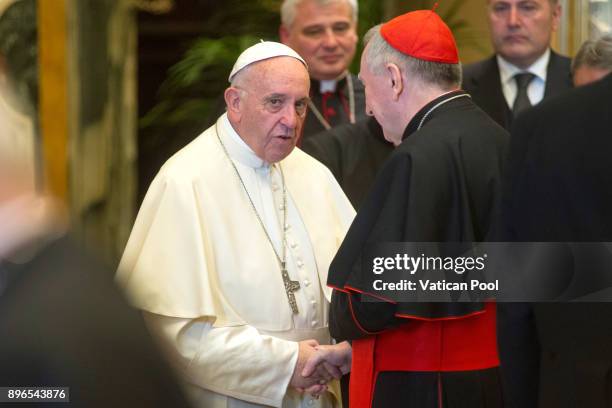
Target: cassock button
<point x="310" y="402"/>
<point x="300" y="263"/>
<point x="306" y="282"/>
<point x="293" y="245"/>
<point x="313" y="302"/>
<point x="287" y="226"/>
<point x="314" y="323"/>
<point x="274" y="187"/>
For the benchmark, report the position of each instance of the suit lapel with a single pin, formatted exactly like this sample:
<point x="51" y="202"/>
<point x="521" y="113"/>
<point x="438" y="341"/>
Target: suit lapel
<point x="557" y="75"/>
<point x="488" y="93"/>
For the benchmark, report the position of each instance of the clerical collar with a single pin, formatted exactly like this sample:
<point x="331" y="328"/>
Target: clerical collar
<point x="327" y="85"/>
<point x="322" y="116"/>
<point x="236" y="147"/>
<point x="539" y="68"/>
<point x="426" y="112"/>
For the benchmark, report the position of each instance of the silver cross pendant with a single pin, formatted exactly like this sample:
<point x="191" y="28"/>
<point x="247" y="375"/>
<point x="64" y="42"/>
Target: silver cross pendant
<point x="290" y="287"/>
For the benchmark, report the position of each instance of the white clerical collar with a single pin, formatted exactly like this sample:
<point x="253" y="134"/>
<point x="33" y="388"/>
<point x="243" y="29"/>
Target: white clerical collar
<point x="539" y="68"/>
<point x="327" y="85"/>
<point x="236" y="147"/>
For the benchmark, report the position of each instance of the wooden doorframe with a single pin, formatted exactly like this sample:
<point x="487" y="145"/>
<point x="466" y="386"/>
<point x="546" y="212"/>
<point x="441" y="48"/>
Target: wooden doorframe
<point x="53" y="96"/>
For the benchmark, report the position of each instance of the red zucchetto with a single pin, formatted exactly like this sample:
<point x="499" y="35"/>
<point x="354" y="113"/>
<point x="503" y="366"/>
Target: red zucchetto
<point x="423" y="35"/>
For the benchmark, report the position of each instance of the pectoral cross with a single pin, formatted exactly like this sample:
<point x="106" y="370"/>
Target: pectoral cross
<point x="290" y="287"/>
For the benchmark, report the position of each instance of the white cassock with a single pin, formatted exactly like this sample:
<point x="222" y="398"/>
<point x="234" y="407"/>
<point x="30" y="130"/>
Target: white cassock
<point x="200" y="266"/>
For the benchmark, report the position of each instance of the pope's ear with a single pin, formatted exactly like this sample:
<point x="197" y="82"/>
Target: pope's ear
<point x="232" y="100"/>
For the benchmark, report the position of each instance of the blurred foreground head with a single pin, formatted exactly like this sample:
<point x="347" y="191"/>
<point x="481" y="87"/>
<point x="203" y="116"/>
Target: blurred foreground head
<point x="25" y="214"/>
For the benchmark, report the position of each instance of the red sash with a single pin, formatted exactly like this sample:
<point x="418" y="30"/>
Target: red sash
<point x="451" y="344"/>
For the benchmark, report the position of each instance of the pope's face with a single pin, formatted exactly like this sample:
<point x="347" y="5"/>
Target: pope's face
<point x="379" y="100"/>
<point x="273" y="107"/>
<point x="521" y="29"/>
<point x="324" y="35"/>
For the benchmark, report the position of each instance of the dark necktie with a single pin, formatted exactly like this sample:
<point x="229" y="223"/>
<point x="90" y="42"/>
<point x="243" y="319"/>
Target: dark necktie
<point x="522" y="101"/>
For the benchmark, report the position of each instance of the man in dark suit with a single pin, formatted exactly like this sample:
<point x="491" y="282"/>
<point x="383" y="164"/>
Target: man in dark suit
<point x="558" y="189"/>
<point x="524" y="70"/>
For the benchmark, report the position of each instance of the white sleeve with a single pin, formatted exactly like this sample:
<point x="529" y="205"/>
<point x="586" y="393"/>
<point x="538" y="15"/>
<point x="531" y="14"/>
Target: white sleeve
<point x="235" y="361"/>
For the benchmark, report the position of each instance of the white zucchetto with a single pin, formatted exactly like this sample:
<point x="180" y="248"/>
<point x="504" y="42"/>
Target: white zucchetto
<point x="262" y="51"/>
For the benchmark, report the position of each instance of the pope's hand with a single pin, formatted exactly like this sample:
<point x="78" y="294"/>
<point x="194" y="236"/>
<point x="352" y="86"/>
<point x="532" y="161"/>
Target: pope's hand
<point x="317" y="376"/>
<point x="336" y="359"/>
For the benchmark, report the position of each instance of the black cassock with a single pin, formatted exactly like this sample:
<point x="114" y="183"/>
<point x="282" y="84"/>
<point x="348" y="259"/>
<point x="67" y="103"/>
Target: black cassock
<point x="559" y="189"/>
<point x="442" y="184"/>
<point x="354" y="153"/>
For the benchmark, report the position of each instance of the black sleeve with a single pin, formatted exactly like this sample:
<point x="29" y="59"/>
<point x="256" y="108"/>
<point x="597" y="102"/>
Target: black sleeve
<point x="380" y="218"/>
<point x="351" y="319"/>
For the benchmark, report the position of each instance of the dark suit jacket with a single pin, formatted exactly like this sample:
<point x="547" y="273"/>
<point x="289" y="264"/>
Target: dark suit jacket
<point x="558" y="188"/>
<point x="482" y="81"/>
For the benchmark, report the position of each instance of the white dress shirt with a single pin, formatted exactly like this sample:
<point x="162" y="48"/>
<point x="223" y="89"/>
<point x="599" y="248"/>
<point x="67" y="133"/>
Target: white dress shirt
<point x="536" y="88"/>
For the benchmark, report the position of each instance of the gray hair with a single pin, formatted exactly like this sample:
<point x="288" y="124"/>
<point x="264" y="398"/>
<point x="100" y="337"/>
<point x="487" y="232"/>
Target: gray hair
<point x="380" y="53"/>
<point x="288" y="9"/>
<point x="594" y="54"/>
<point x="552" y="2"/>
<point x="241" y="79"/>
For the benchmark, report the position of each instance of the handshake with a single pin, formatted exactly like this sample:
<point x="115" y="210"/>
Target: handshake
<point x="319" y="364"/>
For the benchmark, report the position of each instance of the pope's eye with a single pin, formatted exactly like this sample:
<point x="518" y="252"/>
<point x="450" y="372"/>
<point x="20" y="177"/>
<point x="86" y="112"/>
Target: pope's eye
<point x="274" y="104"/>
<point x="300" y="107"/>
